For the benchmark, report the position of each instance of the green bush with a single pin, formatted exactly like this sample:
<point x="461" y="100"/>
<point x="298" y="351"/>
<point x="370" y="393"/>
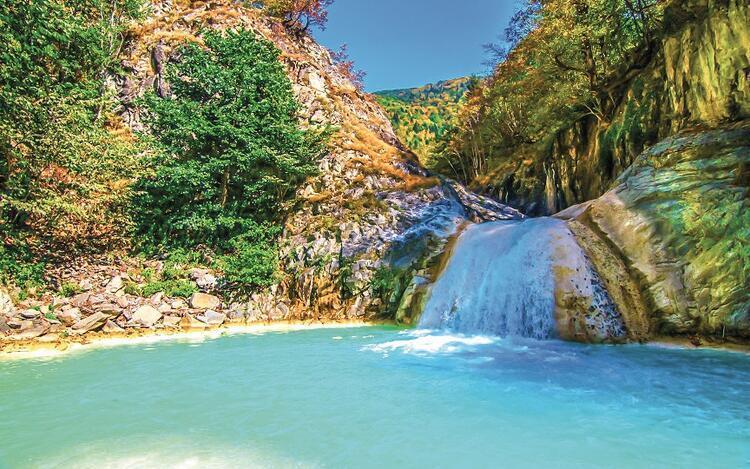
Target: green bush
<point x="232" y="154"/>
<point x="19" y="268"/>
<point x="173" y="288"/>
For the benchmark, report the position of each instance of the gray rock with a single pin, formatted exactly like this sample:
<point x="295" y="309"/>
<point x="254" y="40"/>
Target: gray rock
<point x="189" y="322"/>
<point x="213" y="318"/>
<point x="114" y="284"/>
<point x="69" y="316"/>
<point x="6" y="303"/>
<point x="171" y="322"/>
<point x="111" y="327"/>
<point x="30" y="314"/>
<point x="31" y="330"/>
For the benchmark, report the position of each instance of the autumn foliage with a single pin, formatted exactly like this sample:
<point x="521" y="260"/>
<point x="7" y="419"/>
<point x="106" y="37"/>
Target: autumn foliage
<point x="299" y="15"/>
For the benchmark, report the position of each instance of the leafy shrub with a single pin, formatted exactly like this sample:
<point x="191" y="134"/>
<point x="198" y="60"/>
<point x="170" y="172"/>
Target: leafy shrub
<point x="69" y="289"/>
<point x="19" y="268"/>
<point x="173" y="288"/>
<point x="232" y="154"/>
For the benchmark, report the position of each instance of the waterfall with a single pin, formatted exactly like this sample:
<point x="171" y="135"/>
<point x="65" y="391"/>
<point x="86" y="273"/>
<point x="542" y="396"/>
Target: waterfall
<point x="502" y="279"/>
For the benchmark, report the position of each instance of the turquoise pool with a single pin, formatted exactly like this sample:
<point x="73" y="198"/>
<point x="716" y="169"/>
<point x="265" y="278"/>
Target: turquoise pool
<point x="376" y="397"/>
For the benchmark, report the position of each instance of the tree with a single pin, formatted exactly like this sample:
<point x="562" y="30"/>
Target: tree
<point x="233" y="150"/>
<point x="299" y="14"/>
<point x="347" y="67"/>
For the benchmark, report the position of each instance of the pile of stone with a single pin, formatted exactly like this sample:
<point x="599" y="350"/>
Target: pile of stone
<point x="109" y="309"/>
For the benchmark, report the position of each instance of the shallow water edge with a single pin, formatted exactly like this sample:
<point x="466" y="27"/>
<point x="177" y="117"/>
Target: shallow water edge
<point x="33" y="349"/>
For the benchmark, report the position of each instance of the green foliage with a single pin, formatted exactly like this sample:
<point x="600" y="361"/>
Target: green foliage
<point x="253" y="260"/>
<point x="62" y="156"/>
<point x="56" y="145"/>
<point x="233" y="155"/>
<point x="172" y="288"/>
<point x="567" y="62"/>
<point x="69" y="289"/>
<point x="18" y="267"/>
<point x="421" y="116"/>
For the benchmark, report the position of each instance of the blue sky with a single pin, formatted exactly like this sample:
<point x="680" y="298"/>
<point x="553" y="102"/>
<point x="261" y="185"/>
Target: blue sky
<point x="407" y="43"/>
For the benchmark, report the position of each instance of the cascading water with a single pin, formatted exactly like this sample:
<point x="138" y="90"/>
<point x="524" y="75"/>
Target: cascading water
<point x="504" y="278"/>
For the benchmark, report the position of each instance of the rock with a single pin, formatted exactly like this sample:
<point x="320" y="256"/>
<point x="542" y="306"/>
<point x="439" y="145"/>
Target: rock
<point x="123" y="302"/>
<point x="179" y="304"/>
<point x="86" y="285"/>
<point x="4" y="327"/>
<point x="80" y="300"/>
<point x="189" y="322"/>
<point x="114" y="284"/>
<point x="31" y="330"/>
<point x="69" y="316"/>
<point x="111" y="327"/>
<point x="6" y="304"/>
<point x="171" y="322"/>
<point x="108" y="308"/>
<point x="679" y="220"/>
<point x="204" y="301"/>
<point x="203" y="278"/>
<point x="146" y="315"/>
<point x="156" y="298"/>
<point x="91" y="323"/>
<point x="213" y="318"/>
<point x="30" y="314"/>
<point x="164" y="308"/>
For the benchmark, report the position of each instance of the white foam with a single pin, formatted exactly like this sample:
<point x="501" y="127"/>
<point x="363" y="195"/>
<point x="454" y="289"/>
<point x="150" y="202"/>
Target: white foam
<point x="424" y="342"/>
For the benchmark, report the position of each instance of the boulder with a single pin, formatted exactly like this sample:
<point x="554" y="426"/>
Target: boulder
<point x="189" y="322"/>
<point x="80" y="300"/>
<point x="30" y="314"/>
<point x="111" y="327"/>
<point x="114" y="284"/>
<point x="91" y="323"/>
<point x="69" y="316"/>
<point x="213" y="318"/>
<point x="30" y="330"/>
<point x="6" y="303"/>
<point x="4" y="327"/>
<point x="171" y="322"/>
<point x="146" y="315"/>
<point x="204" y="301"/>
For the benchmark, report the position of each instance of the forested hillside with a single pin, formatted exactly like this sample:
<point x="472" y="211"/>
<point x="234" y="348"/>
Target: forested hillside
<point x="581" y="88"/>
<point x="422" y="116"/>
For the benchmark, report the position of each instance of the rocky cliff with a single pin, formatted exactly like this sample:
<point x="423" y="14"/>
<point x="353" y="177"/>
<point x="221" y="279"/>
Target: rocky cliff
<point x="371" y="221"/>
<point x="698" y="76"/>
<point x="674" y="234"/>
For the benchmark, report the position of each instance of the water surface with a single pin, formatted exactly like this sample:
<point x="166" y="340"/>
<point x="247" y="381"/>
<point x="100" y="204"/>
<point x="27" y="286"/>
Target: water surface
<point x="377" y="397"/>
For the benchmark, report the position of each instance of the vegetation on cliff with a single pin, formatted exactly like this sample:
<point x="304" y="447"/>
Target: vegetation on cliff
<point x="422" y="116"/>
<point x="231" y="153"/>
<point x="567" y="59"/>
<point x="222" y="159"/>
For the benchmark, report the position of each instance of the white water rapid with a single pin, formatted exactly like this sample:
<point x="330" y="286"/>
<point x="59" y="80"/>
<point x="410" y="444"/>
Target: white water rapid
<point x="503" y="277"/>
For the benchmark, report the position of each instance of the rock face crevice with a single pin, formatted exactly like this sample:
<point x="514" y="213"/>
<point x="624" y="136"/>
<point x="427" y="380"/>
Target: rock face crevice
<point x="699" y="76"/>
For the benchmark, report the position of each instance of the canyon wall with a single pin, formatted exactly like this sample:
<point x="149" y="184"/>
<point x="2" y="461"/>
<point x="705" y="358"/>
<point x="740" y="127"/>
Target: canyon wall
<point x="699" y="77"/>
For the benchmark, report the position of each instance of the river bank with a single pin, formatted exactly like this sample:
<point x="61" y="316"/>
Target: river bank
<point x="56" y="346"/>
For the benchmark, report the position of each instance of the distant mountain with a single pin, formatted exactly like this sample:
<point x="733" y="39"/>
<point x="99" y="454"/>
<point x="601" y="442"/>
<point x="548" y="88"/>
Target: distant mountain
<point x="421" y="115"/>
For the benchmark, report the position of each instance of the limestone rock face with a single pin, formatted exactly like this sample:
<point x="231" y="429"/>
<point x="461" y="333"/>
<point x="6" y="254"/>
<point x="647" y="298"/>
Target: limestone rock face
<point x="679" y="219"/>
<point x="699" y="76"/>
